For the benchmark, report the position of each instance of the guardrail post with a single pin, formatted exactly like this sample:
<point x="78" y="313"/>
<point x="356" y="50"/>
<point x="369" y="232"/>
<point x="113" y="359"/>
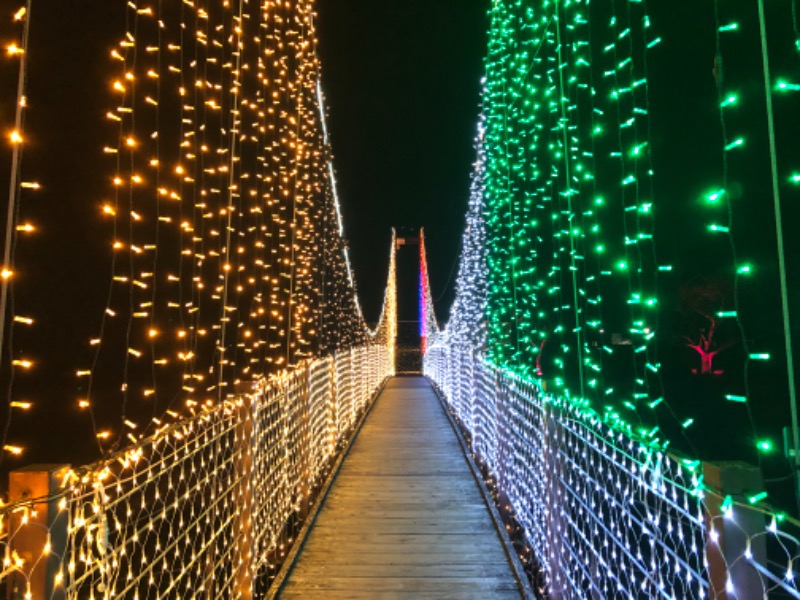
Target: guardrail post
<point x="730" y="574"/>
<point x="555" y="502"/>
<point x="333" y="407"/>
<point x="243" y="518"/>
<point x="45" y="525"/>
<point x="307" y="455"/>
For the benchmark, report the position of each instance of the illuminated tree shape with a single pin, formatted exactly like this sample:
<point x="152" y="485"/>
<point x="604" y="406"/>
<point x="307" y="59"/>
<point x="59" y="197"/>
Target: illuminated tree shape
<point x="706" y="346"/>
<point x="706" y="298"/>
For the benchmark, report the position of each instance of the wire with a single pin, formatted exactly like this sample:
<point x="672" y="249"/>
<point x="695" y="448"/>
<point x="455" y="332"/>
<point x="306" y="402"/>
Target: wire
<point x="787" y="333"/>
<point x="456" y="262"/>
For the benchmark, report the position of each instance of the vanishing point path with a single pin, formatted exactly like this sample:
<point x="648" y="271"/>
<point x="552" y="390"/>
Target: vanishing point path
<point x="404" y="517"/>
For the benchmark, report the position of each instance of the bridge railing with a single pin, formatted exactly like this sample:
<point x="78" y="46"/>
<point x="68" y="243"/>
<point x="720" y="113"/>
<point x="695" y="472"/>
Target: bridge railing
<point x="206" y="507"/>
<point x="605" y="514"/>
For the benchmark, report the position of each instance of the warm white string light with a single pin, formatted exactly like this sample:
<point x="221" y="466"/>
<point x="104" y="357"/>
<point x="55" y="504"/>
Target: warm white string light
<point x="230" y="273"/>
<point x="14" y="228"/>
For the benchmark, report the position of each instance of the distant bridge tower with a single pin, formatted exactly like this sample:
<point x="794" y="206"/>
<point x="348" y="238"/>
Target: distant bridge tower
<point x="410" y="322"/>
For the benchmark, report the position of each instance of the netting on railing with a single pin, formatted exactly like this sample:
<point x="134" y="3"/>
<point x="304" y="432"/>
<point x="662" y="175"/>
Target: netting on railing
<point x="206" y="507"/>
<point x="606" y="514"/>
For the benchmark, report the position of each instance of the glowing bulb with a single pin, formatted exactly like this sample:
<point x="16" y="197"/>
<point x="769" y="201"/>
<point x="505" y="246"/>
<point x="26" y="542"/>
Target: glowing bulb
<point x="15" y="137"/>
<point x="764" y="445"/>
<point x="735" y="144"/>
<point x="785" y="86"/>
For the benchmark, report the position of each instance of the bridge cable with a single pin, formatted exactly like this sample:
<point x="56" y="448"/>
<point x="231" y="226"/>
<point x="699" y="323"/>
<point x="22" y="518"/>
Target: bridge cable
<point x="787" y="333"/>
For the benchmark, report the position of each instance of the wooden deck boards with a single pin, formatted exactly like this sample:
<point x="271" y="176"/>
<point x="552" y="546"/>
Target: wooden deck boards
<point x="404" y="517"/>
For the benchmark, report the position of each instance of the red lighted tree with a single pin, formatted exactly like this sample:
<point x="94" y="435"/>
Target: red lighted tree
<point x="701" y="301"/>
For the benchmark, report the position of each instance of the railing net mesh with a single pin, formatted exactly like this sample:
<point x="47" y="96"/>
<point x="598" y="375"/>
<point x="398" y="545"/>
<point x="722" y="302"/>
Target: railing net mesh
<point x="605" y="515"/>
<point x="203" y="508"/>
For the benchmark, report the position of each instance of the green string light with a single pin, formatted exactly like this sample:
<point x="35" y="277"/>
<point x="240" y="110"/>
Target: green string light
<point x="570" y="204"/>
<point x="572" y="294"/>
<point x="765" y="446"/>
<point x="784" y="86"/>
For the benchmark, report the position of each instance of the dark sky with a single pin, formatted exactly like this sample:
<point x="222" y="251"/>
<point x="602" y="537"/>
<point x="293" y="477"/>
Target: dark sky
<point x="402" y="81"/>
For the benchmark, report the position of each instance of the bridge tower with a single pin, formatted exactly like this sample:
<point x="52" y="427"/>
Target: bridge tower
<point x="409" y="308"/>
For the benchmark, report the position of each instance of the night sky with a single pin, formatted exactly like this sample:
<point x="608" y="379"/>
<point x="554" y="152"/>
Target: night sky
<point x="402" y="83"/>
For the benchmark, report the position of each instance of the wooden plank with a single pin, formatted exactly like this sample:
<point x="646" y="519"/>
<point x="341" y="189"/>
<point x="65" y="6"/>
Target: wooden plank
<point x="409" y="510"/>
<point x="401" y="542"/>
<point x="375" y="555"/>
<point x="319" y="585"/>
<point x="412" y="528"/>
<point x="404" y="518"/>
<point x="492" y="572"/>
<point x="400" y="595"/>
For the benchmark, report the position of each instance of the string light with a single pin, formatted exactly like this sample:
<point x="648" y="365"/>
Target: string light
<point x="229" y="259"/>
<point x="16" y="138"/>
<point x="744" y="272"/>
<point x="567" y="200"/>
<point x="570" y="204"/>
<point x="230" y="271"/>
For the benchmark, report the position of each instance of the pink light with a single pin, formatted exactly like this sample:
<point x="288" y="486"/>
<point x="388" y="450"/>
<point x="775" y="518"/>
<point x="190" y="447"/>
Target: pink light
<point x="423" y="292"/>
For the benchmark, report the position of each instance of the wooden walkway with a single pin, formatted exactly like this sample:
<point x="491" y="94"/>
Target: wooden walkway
<point x="404" y="517"/>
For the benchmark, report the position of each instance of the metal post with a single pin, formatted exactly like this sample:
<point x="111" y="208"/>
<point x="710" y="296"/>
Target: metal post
<point x="45" y="525"/>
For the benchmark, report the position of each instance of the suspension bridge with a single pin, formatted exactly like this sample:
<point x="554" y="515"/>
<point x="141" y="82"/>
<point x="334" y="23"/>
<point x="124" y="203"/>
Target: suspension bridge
<point x="254" y="437"/>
